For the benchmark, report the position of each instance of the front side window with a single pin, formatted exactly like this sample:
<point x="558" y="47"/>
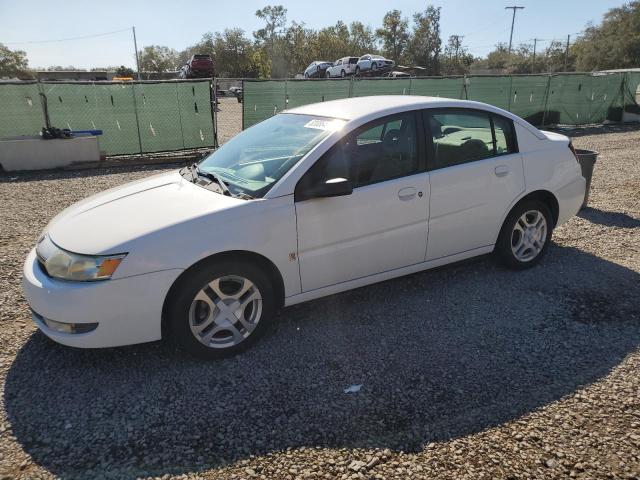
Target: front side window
<point x="461" y="136"/>
<point x="255" y="159"/>
<point x="382" y="150"/>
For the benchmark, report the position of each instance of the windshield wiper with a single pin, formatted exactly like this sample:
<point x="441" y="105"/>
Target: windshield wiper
<point x="214" y="177"/>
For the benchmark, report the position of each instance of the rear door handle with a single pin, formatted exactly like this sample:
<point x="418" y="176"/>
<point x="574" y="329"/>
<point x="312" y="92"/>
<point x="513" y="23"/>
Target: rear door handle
<point x="407" y="193"/>
<point x="501" y="170"/>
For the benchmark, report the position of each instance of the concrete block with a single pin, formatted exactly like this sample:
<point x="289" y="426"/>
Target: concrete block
<point x="34" y="153"/>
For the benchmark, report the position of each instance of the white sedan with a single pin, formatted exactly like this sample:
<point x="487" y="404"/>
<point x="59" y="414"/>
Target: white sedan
<point x="311" y="202"/>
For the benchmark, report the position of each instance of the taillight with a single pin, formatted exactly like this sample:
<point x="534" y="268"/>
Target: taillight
<point x="573" y="150"/>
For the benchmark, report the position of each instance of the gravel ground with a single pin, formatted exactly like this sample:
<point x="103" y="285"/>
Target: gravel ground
<point x="469" y="371"/>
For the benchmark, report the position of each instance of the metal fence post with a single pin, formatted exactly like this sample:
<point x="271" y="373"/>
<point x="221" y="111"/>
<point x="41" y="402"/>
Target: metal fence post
<point x="546" y="101"/>
<point x="180" y="115"/>
<point x="135" y="109"/>
<point x="44" y="103"/>
<point x="213" y="100"/>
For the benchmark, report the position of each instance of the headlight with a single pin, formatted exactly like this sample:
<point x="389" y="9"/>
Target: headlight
<point x="72" y="266"/>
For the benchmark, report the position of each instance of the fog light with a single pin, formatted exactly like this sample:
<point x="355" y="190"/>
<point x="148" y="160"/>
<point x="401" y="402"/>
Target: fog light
<point x="62" y="327"/>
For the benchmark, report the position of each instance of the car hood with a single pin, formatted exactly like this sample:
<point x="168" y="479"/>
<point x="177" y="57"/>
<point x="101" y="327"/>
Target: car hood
<point x="105" y="223"/>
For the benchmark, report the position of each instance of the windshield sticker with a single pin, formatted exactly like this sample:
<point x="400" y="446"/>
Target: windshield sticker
<point x="328" y="124"/>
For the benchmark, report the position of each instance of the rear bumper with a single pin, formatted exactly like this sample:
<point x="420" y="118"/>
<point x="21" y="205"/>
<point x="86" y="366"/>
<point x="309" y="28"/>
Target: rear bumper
<point x="570" y="198"/>
<point x="127" y="310"/>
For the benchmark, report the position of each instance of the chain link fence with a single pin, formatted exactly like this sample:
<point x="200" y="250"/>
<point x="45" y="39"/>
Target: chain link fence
<point x="134" y="117"/>
<point x="158" y="116"/>
<point x="543" y="100"/>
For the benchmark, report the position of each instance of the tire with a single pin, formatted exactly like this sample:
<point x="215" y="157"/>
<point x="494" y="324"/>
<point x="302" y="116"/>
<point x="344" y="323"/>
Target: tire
<point x="525" y="235"/>
<point x="357" y="71"/>
<point x="327" y="74"/>
<point x="374" y="66"/>
<point x="343" y="73"/>
<point x="194" y="308"/>
<point x="306" y="75"/>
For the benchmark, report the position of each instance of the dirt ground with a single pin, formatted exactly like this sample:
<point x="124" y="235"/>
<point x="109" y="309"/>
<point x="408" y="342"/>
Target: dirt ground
<point x="469" y="371"/>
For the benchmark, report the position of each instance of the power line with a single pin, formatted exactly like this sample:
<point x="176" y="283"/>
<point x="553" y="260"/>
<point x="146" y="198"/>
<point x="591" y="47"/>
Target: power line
<point x="67" y="39"/>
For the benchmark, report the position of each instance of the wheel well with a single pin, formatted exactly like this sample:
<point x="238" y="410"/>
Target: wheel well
<point x="548" y="199"/>
<point x="237" y="255"/>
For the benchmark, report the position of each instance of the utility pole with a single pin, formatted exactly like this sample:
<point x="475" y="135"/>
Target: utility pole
<point x="135" y="45"/>
<point x="513" y="21"/>
<point x="566" y="53"/>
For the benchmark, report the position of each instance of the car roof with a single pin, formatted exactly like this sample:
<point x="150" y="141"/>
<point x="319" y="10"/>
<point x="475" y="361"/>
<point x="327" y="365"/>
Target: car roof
<point x="366" y="108"/>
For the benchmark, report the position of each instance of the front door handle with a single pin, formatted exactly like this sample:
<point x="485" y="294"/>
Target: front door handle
<point x="501" y="170"/>
<point x="407" y="193"/>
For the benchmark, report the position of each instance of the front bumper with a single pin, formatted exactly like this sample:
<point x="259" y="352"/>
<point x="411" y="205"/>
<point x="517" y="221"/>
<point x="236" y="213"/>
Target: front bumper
<point x="127" y="310"/>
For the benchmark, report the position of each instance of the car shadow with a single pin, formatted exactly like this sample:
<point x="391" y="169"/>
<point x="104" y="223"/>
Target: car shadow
<point x="439" y="354"/>
<point x="609" y="219"/>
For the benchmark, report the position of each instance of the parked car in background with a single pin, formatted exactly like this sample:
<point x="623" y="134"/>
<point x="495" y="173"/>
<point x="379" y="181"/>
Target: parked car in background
<point x="198" y="66"/>
<point x="317" y="69"/>
<point x="237" y="92"/>
<point x="396" y="74"/>
<point x="373" y="63"/>
<point x="300" y="206"/>
<point x="342" y="67"/>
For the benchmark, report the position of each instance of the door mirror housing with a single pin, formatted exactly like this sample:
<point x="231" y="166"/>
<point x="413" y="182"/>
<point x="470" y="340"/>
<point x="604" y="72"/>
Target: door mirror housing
<point x="334" y="187"/>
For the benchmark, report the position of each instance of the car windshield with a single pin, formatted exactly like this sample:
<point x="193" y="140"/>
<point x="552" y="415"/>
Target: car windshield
<point x="377" y="57"/>
<point x="254" y="160"/>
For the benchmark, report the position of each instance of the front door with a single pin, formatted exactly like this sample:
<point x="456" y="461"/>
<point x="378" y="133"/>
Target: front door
<point x="383" y="224"/>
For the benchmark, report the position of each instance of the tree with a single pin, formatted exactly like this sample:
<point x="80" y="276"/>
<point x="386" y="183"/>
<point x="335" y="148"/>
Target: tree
<point x="270" y="37"/>
<point x="457" y="59"/>
<point x="13" y="63"/>
<point x="362" y="39"/>
<point x="158" y="59"/>
<point x="394" y="35"/>
<point x="123" y="71"/>
<point x="613" y="44"/>
<point x="425" y="44"/>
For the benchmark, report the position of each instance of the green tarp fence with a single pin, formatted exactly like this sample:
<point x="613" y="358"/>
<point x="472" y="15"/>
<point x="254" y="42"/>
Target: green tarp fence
<point x="134" y="117"/>
<point x="544" y="100"/>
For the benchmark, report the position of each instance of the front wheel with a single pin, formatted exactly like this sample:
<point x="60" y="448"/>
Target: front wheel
<point x="220" y="308"/>
<point x="357" y="71"/>
<point x="525" y="235"/>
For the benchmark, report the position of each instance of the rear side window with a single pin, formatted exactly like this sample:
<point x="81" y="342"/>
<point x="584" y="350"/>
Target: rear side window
<point x="505" y="135"/>
<point x="353" y="60"/>
<point x="460" y="136"/>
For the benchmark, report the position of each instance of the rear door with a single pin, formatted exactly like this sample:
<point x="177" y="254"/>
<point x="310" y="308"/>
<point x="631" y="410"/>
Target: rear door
<point x="476" y="173"/>
<point x="382" y="225"/>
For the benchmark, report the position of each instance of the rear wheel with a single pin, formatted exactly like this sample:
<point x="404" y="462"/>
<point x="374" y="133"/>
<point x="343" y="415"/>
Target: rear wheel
<point x="525" y="235"/>
<point x="374" y="66"/>
<point x="221" y="308"/>
<point x="327" y="74"/>
<point x="357" y="70"/>
<point x="343" y="74"/>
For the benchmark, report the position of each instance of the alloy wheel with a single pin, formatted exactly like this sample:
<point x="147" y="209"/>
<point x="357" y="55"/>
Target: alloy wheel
<point x="225" y="311"/>
<point x="529" y="235"/>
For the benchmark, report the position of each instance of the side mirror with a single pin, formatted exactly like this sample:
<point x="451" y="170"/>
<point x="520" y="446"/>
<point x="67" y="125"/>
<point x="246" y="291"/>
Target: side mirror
<point x="335" y="187"/>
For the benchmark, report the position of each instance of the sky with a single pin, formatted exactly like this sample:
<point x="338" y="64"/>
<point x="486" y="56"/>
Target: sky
<point x="48" y="30"/>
